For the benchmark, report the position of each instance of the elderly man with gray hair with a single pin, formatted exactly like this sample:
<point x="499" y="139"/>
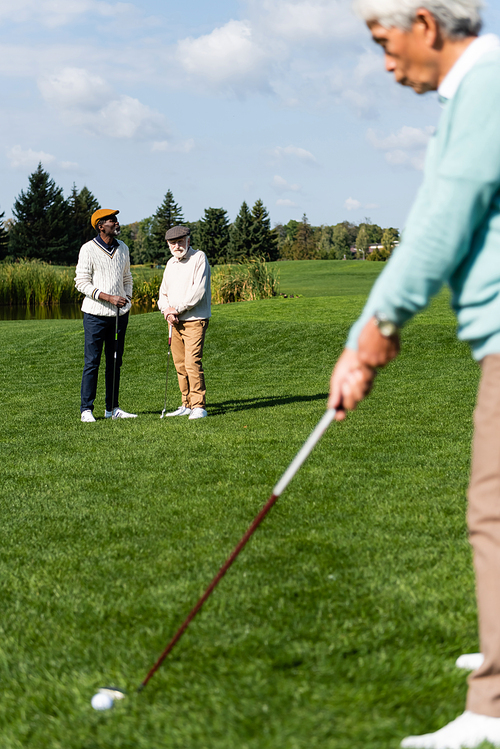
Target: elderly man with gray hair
<point x="184" y="300"/>
<point x="452" y="236"/>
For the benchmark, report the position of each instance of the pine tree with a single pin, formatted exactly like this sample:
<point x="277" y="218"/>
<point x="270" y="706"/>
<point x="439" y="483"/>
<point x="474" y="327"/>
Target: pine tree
<point x="4" y="239"/>
<point x="241" y="243"/>
<point x="264" y="242"/>
<point x="213" y="235"/>
<point x="81" y="205"/>
<point x="168" y="214"/>
<point x="43" y="223"/>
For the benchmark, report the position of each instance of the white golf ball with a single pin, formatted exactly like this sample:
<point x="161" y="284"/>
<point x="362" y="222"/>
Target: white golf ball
<point x="101" y="701"/>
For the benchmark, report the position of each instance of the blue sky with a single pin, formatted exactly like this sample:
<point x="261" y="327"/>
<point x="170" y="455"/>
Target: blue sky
<point x="283" y="100"/>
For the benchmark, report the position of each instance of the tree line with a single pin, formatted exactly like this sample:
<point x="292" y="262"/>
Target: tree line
<point x="50" y="227"/>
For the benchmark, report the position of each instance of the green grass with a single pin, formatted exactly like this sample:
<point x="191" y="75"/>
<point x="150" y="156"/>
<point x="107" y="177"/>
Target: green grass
<point x="339" y="624"/>
<point x="327" y="277"/>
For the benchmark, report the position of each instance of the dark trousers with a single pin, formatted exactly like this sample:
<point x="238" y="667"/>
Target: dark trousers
<point x="100" y="330"/>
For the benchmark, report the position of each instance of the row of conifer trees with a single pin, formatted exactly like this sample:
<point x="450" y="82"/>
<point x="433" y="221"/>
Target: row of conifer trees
<point x="49" y="227"/>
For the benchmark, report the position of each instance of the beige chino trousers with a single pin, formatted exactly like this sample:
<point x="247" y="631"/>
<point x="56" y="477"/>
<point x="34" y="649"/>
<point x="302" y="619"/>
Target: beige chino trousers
<point x="484" y="529"/>
<point x="187" y="349"/>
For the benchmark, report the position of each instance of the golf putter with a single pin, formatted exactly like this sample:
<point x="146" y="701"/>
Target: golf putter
<point x="114" y="361"/>
<point x="166" y="379"/>
<point x="280" y="487"/>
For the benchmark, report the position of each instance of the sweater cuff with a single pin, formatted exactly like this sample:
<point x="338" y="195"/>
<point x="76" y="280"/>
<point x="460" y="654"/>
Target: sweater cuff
<point x="95" y="294"/>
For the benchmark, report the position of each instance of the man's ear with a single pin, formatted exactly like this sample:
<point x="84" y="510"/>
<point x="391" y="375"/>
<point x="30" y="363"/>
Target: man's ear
<point x="428" y="28"/>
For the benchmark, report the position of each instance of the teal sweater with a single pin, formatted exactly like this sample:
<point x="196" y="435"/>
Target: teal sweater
<point x="453" y="231"/>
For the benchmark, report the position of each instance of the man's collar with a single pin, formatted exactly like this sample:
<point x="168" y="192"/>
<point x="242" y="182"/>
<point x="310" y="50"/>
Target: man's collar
<point x="452" y="80"/>
<point x="104" y="245"/>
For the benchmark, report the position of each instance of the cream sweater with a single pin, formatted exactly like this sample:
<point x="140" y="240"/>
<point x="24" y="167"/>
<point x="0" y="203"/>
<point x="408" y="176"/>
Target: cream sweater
<point x="98" y="270"/>
<point x="186" y="286"/>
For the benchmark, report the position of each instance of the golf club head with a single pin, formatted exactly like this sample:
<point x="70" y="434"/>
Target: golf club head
<point x="114" y="692"/>
<point x="162" y="413"/>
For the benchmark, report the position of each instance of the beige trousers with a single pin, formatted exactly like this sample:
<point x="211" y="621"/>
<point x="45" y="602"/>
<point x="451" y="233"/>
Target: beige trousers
<point x="187" y="349"/>
<point x="484" y="529"/>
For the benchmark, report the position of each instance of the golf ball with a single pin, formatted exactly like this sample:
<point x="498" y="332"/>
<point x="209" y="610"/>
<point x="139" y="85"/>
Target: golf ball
<point x="101" y="701"/>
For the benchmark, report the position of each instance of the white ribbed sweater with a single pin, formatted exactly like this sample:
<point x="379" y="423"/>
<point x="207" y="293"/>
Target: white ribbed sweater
<point x="97" y="271"/>
<point x="186" y="286"/>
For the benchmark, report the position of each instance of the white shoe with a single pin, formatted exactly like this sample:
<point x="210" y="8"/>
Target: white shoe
<point x="198" y="413"/>
<point x="117" y="413"/>
<point x="87" y="415"/>
<point x="470" y="661"/>
<point x="467" y="731"/>
<point x="181" y="411"/>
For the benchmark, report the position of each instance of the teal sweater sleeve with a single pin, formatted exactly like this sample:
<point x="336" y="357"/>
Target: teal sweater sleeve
<point x="455" y="203"/>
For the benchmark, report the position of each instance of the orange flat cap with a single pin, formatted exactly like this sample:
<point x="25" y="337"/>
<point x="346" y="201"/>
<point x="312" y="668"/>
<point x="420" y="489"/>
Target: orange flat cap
<point x="101" y="213"/>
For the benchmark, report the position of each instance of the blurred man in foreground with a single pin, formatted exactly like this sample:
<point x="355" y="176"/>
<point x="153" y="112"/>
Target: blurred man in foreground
<point x="452" y="236"/>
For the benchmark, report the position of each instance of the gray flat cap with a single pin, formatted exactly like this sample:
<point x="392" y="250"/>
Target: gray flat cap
<point x="177" y="232"/>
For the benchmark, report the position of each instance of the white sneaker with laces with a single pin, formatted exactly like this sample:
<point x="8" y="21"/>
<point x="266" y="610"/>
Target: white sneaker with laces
<point x="470" y="661"/>
<point x="118" y="413"/>
<point x="467" y="731"/>
<point x="181" y="411"/>
<point x="87" y="415"/>
<point x="198" y="413"/>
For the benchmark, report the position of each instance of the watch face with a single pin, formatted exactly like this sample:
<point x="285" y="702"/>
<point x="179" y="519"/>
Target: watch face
<point x="387" y="328"/>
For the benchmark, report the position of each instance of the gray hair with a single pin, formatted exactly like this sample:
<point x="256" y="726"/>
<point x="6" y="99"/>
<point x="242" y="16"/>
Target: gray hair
<point x="456" y="18"/>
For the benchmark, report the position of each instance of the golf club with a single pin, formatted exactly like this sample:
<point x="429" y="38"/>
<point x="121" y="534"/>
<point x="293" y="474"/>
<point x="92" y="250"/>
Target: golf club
<point x="280" y="487"/>
<point x="114" y="361"/>
<point x="166" y="379"/>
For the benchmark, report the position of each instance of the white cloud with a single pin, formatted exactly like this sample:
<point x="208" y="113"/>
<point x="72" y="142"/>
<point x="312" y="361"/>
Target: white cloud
<point x="281" y="185"/>
<point x="166" y="145"/>
<point x="87" y="101"/>
<point x="285" y="203"/>
<point x="294" y="151"/>
<point x="282" y="47"/>
<point x="352" y="204"/>
<point x="126" y="117"/>
<point x="406" y="147"/>
<point x="303" y="21"/>
<point x="226" y="57"/>
<point x="74" y="88"/>
<point x="28" y="159"/>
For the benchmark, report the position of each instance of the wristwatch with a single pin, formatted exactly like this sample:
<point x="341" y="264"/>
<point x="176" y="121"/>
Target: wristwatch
<point x="386" y="327"/>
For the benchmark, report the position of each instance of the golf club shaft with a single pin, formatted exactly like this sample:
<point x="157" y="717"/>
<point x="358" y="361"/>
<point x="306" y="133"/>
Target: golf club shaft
<point x="114" y="360"/>
<point x="294" y="466"/>
<point x="168" y="362"/>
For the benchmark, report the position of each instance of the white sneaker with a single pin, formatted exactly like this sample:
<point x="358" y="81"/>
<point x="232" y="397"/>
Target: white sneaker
<point x="117" y="413"/>
<point x="181" y="411"/>
<point x="467" y="731"/>
<point x="470" y="661"/>
<point x="87" y="415"/>
<point x="198" y="413"/>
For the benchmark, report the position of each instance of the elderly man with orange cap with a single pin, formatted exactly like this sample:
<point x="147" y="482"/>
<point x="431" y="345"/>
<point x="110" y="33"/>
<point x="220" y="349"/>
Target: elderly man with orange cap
<point x="103" y="275"/>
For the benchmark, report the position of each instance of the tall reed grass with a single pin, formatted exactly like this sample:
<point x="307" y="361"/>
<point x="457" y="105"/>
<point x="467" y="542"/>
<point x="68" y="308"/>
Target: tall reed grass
<point x="236" y="282"/>
<point x="146" y="292"/>
<point x="243" y="282"/>
<point x="33" y="283"/>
